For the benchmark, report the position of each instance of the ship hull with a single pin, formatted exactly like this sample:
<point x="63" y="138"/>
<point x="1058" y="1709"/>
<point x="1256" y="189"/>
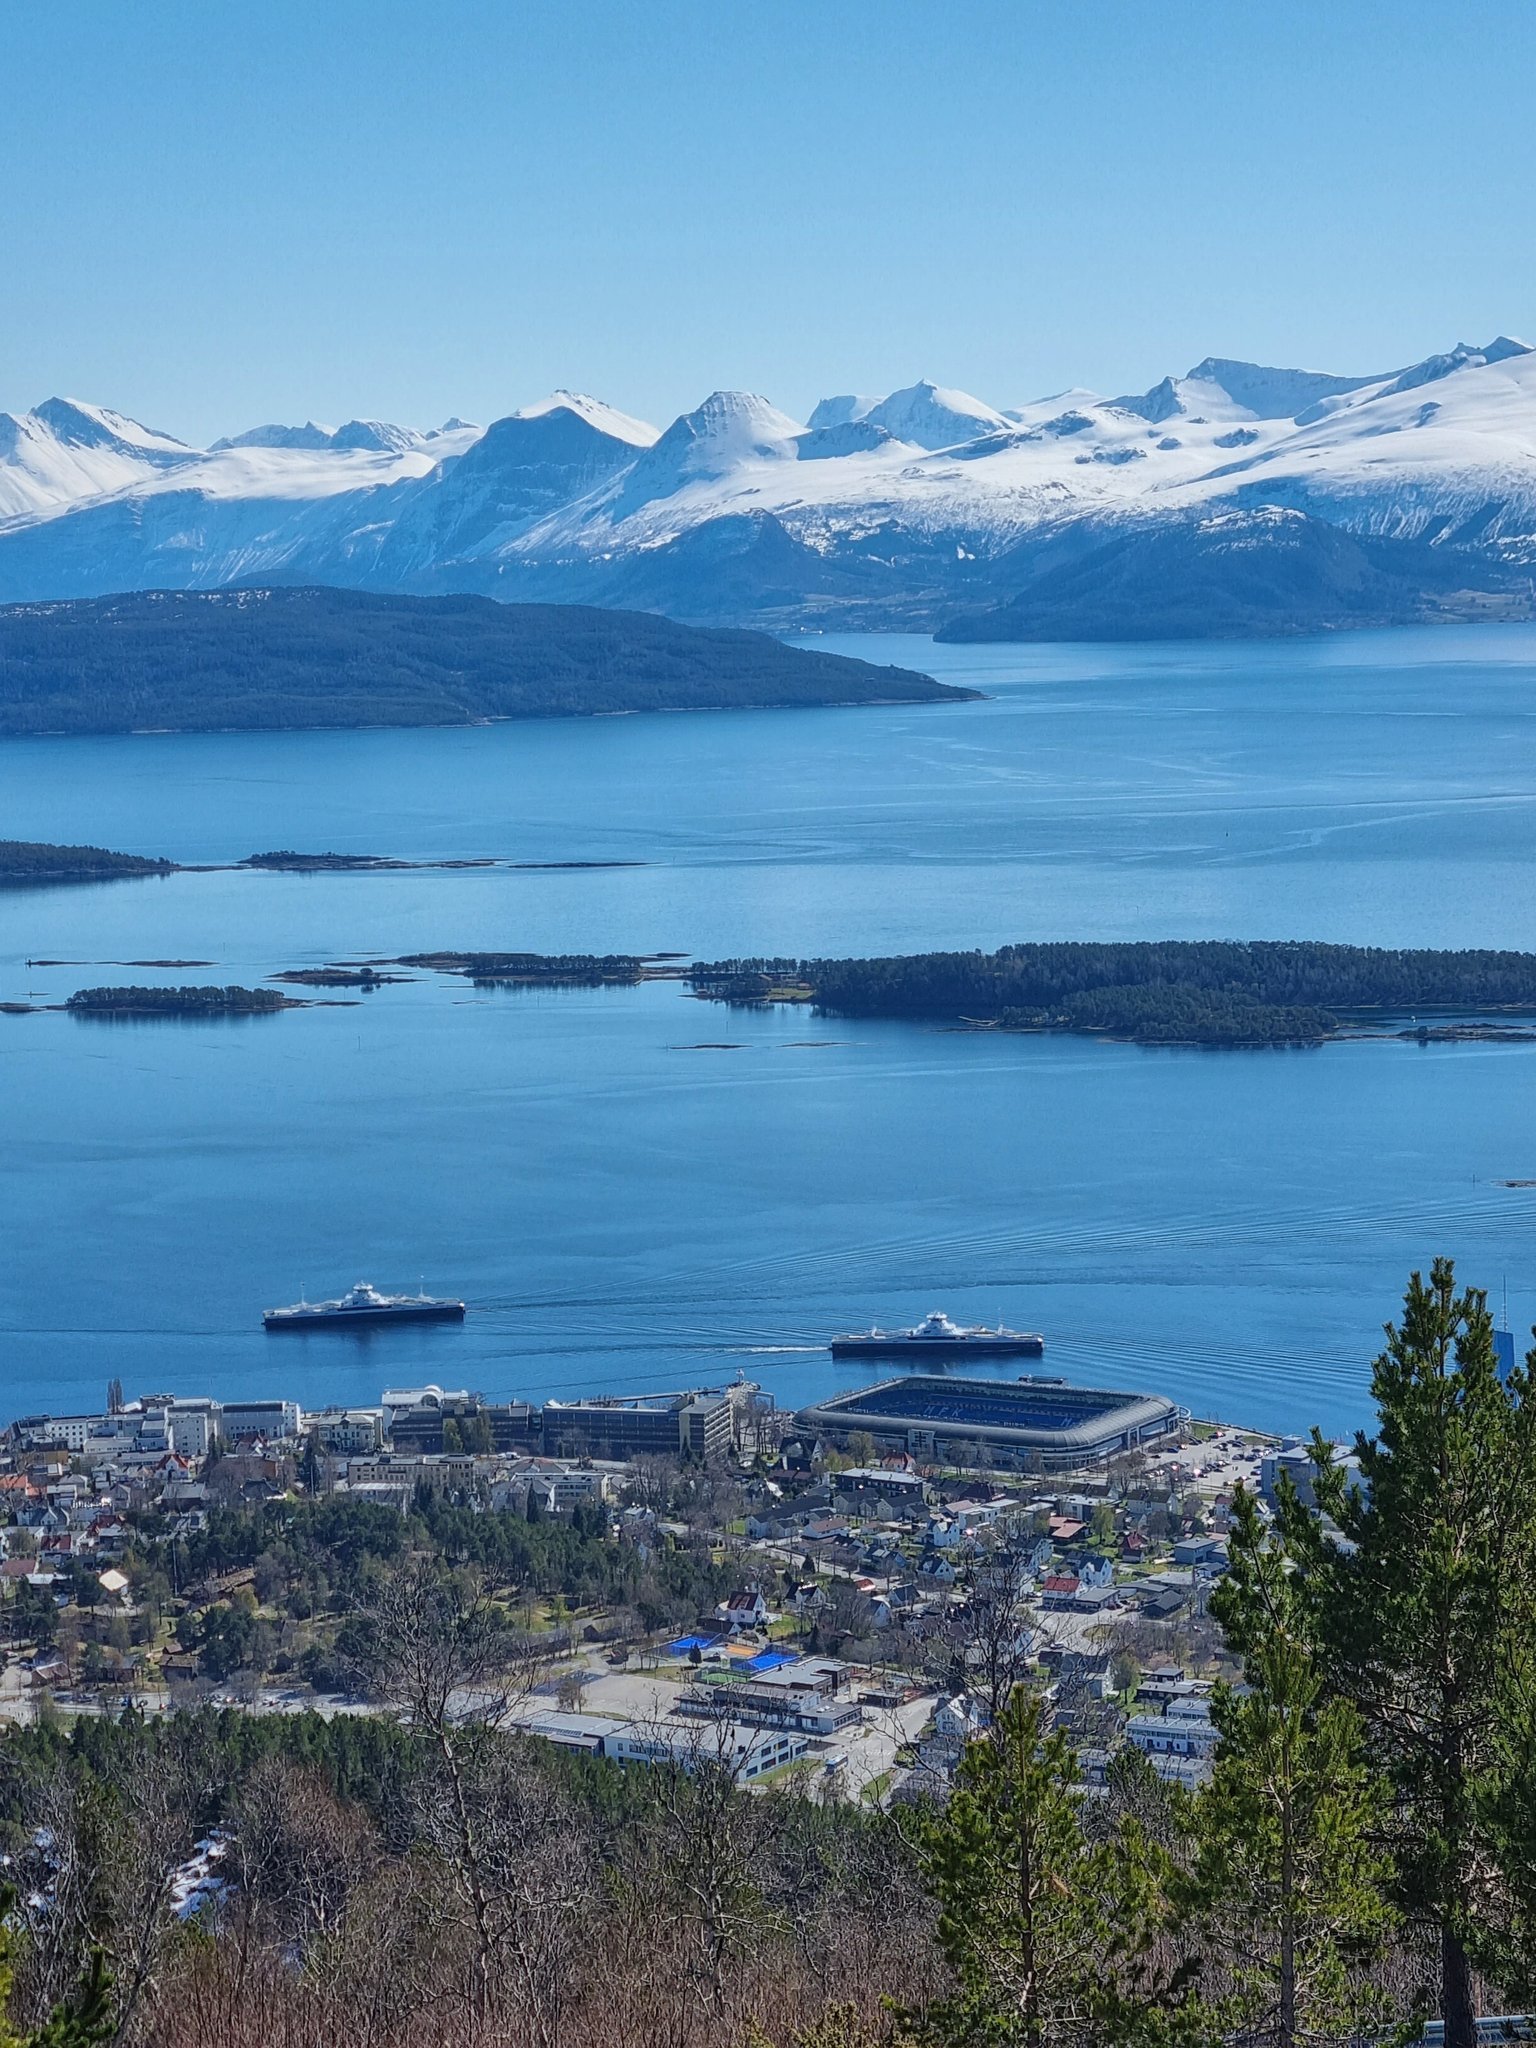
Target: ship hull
<point x="349" y="1318"/>
<point x="929" y="1350"/>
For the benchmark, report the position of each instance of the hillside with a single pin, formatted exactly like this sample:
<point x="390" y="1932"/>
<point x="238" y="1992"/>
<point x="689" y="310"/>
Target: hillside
<point x="908" y="511"/>
<point x="1234" y="575"/>
<point x="263" y="659"/>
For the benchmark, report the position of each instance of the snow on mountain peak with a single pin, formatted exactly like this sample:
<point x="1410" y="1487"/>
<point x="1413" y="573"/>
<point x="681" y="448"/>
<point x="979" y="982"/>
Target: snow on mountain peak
<point x="1039" y="410"/>
<point x="79" y="425"/>
<point x="931" y="416"/>
<point x="1161" y="403"/>
<point x="842" y="411"/>
<point x="1222" y="388"/>
<point x="729" y="427"/>
<point x="310" y="435"/>
<point x="844" y="437"/>
<point x="569" y="499"/>
<point x="1464" y="356"/>
<point x="65" y="451"/>
<point x="1264" y="393"/>
<point x="372" y="437"/>
<point x="596" y="412"/>
<point x="727" y="436"/>
<point x="376" y="437"/>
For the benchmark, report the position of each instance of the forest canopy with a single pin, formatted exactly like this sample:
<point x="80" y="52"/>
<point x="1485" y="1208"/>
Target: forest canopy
<point x="30" y="860"/>
<point x="215" y="660"/>
<point x="1205" y="991"/>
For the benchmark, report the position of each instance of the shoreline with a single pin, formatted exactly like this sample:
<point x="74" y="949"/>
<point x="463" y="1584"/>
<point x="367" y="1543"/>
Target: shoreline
<point x="1155" y="1015"/>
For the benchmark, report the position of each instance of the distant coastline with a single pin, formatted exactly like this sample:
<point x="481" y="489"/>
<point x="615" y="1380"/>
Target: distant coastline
<point x="35" y="863"/>
<point x="24" y="861"/>
<point x="1212" y="994"/>
<point x="1175" y="992"/>
<point x="286" y="659"/>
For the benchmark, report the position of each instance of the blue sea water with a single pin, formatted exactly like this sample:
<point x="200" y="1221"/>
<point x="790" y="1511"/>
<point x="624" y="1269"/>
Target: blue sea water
<point x="635" y="1190"/>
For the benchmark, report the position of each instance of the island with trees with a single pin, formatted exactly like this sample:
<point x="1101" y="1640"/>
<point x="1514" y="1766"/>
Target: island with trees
<point x="268" y="659"/>
<point x="337" y="977"/>
<point x="180" y="1002"/>
<point x="285" y="861"/>
<point x="28" y="860"/>
<point x="548" y="970"/>
<point x="25" y="862"/>
<point x="1169" y="992"/>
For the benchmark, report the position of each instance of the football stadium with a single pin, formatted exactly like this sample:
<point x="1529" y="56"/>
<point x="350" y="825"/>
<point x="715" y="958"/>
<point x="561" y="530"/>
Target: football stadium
<point x="1016" y="1420"/>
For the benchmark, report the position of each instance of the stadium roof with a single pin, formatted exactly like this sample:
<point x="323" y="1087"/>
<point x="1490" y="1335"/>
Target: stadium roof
<point x="1063" y="1423"/>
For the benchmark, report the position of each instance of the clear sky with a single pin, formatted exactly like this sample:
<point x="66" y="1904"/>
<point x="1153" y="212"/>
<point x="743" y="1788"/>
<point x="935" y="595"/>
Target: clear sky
<point x="219" y="212"/>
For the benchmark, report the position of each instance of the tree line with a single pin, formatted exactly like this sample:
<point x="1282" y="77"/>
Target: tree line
<point x="191" y="1002"/>
<point x="1208" y="990"/>
<point x="27" y="860"/>
<point x="264" y="659"/>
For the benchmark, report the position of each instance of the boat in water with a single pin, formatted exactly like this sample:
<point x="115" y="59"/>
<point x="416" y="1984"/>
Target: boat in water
<point x="936" y="1338"/>
<point x="363" y="1304"/>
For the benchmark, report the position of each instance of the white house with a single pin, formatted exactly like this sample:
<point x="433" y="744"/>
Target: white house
<point x="1094" y="1572"/>
<point x="746" y="1608"/>
<point x="347" y="1432"/>
<point x="1182" y="1734"/>
<point x="960" y="1718"/>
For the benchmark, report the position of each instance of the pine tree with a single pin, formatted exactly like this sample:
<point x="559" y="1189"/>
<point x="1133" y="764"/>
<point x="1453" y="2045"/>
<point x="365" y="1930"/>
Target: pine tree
<point x="84" y="2020"/>
<point x="1038" y="1924"/>
<point x="1288" y="1881"/>
<point x="1424" y="1609"/>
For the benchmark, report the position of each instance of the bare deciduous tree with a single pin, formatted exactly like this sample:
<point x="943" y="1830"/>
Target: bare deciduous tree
<point x="441" y="1651"/>
<point x="105" y="1856"/>
<point x="299" y="1855"/>
<point x="991" y="1636"/>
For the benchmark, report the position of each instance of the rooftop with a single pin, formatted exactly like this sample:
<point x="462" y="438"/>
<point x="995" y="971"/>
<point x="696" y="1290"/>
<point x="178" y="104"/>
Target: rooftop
<point x="1041" y="1414"/>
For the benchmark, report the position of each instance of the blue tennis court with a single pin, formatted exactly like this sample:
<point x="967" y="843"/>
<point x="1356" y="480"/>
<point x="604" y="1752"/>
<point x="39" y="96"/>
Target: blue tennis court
<point x="770" y="1660"/>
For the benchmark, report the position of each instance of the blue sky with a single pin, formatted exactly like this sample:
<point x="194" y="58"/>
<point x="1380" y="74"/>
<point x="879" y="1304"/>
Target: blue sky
<point x="219" y="212"/>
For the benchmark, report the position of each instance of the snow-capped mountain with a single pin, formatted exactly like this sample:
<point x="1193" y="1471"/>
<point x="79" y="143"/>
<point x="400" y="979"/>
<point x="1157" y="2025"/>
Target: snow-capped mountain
<point x="62" y="453"/>
<point x="377" y="437"/>
<point x="905" y="509"/>
<point x="308" y="436"/>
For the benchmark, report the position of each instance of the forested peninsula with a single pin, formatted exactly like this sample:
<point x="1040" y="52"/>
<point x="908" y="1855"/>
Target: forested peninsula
<point x="28" y="860"/>
<point x="24" y="861"/>
<point x="549" y="970"/>
<point x="262" y="660"/>
<point x="1169" y="992"/>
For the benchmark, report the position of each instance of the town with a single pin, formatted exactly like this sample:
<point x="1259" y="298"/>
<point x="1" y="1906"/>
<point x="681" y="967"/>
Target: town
<point x="839" y="1598"/>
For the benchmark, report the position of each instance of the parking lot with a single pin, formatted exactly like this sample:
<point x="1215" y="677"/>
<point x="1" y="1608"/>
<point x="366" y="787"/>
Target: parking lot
<point x="646" y="1696"/>
<point x="1216" y="1463"/>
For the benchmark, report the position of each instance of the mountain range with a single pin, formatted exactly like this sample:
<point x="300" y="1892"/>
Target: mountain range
<point x="1236" y="499"/>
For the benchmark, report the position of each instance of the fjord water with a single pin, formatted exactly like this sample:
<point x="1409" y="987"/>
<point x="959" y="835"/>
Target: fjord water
<point x="635" y="1190"/>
